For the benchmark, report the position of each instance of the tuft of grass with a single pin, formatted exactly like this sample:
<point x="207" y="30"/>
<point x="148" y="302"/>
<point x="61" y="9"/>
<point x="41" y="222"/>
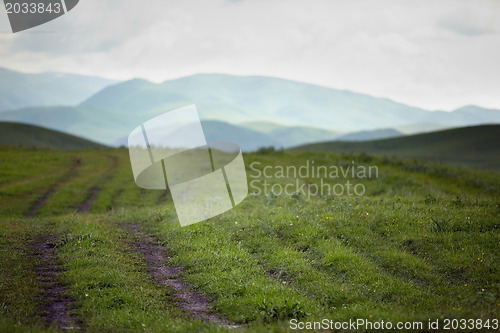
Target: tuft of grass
<point x="273" y="312"/>
<point x="440" y="225"/>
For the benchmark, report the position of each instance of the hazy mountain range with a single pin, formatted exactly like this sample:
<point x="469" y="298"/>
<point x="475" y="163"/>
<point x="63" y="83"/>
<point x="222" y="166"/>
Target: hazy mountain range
<point x="251" y="111"/>
<point x="18" y="90"/>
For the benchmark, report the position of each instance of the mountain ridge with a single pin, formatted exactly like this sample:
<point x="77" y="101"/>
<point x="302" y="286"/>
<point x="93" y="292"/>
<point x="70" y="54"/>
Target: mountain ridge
<point x="20" y="90"/>
<point x="114" y="111"/>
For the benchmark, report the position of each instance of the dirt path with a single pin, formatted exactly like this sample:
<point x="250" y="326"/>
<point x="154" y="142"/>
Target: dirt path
<point x="87" y="204"/>
<point x="192" y="303"/>
<point x="72" y="173"/>
<point x="94" y="191"/>
<point x="57" y="305"/>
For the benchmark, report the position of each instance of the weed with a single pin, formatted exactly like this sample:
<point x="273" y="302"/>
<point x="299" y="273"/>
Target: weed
<point x="272" y="312"/>
<point x="439" y="225"/>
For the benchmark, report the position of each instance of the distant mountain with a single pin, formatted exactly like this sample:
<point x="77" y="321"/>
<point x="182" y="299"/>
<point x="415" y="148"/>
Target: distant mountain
<point x="370" y="135"/>
<point x="19" y="90"/>
<point x="477" y="146"/>
<point x="422" y="128"/>
<point x="116" y="110"/>
<point x="247" y="139"/>
<point x="216" y="131"/>
<point x="295" y="135"/>
<point x="16" y="134"/>
<point x="261" y="126"/>
<point x="239" y="99"/>
<point x="290" y="136"/>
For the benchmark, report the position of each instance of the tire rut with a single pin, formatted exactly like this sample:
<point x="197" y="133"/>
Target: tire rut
<point x="52" y="189"/>
<point x="56" y="310"/>
<point x="87" y="204"/>
<point x="195" y="304"/>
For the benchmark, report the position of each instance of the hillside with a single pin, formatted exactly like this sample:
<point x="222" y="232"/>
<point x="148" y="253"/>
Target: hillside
<point x="20" y="90"/>
<point x="477" y="146"/>
<point x="295" y="135"/>
<point x="80" y="239"/>
<point x="16" y="134"/>
<point x="216" y="131"/>
<point x="116" y="110"/>
<point x="370" y="135"/>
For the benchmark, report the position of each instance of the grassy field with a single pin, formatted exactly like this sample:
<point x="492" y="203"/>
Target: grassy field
<point x="81" y="246"/>
<point x="474" y="147"/>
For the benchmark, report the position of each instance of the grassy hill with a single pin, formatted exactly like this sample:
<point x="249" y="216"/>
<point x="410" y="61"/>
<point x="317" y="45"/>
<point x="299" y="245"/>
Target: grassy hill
<point x="80" y="243"/>
<point x="16" y="134"/>
<point x="477" y="146"/>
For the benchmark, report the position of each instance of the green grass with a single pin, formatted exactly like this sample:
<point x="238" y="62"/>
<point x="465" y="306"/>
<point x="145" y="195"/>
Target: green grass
<point x="422" y="243"/>
<point x="477" y="147"/>
<point x="19" y="134"/>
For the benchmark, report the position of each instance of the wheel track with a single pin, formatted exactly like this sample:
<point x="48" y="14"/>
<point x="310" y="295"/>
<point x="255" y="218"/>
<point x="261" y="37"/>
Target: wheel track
<point x="52" y="189"/>
<point x="57" y="305"/>
<point x="194" y="304"/>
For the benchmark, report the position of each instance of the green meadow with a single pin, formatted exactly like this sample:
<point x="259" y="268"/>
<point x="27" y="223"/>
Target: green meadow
<point x="421" y="243"/>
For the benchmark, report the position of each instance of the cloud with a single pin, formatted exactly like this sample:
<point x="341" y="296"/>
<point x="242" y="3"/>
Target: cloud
<point x="438" y="55"/>
<point x="473" y="20"/>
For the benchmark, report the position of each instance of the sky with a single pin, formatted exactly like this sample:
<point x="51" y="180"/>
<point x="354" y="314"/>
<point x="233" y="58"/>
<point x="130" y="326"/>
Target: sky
<point x="437" y="55"/>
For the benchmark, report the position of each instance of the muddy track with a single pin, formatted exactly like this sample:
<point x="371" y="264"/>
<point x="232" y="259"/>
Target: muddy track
<point x="72" y="173"/>
<point x="57" y="305"/>
<point x="194" y="304"/>
<point x="87" y="204"/>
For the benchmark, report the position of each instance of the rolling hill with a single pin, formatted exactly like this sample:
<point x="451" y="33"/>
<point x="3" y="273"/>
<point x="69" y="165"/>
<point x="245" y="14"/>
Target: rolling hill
<point x="477" y="147"/>
<point x="216" y="131"/>
<point x="116" y="110"/>
<point x="20" y="90"/>
<point x="16" y="134"/>
<point x="385" y="133"/>
<point x="290" y="136"/>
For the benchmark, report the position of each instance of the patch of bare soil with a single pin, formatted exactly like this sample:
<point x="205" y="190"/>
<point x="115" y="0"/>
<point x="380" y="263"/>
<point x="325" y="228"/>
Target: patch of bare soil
<point x="89" y="201"/>
<point x="195" y="304"/>
<point x="56" y="311"/>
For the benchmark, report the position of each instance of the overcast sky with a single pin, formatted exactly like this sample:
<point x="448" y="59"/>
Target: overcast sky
<point x="432" y="54"/>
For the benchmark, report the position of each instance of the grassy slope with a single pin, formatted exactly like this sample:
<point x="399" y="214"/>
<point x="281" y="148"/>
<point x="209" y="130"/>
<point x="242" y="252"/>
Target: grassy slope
<point x="422" y="243"/>
<point x="17" y="134"/>
<point x="477" y="146"/>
